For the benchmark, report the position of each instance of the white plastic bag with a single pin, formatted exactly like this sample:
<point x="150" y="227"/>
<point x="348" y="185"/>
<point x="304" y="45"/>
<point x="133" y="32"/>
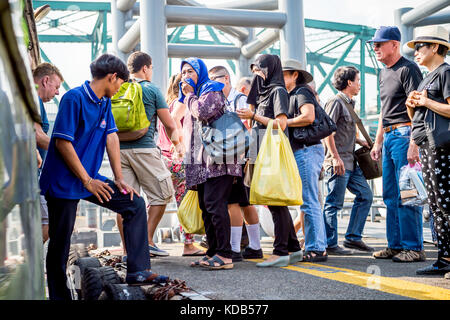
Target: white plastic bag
<point x="412" y="187"/>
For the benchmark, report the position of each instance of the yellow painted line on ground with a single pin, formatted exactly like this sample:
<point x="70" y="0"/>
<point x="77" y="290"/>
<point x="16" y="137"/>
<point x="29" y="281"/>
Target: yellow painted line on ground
<point x="391" y="285"/>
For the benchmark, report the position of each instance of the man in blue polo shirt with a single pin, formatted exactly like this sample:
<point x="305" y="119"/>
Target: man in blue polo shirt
<point x="84" y="127"/>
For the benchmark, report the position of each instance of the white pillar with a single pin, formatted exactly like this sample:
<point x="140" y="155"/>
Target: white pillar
<point x="154" y="39"/>
<point x="292" y="35"/>
<point x="243" y="69"/>
<point x="406" y="31"/>
<point x="118" y="29"/>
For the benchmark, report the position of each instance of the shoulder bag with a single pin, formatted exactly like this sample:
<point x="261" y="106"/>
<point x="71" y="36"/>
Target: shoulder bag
<point x="321" y="128"/>
<point x="226" y="138"/>
<point x="370" y="168"/>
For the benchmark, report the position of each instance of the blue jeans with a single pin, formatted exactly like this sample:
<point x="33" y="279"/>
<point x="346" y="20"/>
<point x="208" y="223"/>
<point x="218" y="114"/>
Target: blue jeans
<point x="357" y="184"/>
<point x="403" y="223"/>
<point x="309" y="162"/>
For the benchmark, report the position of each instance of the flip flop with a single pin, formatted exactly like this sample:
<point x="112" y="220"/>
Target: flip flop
<point x="197" y="253"/>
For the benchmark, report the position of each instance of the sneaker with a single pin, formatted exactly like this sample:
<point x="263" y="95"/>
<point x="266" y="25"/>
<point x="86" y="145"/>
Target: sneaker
<point x="409" y="256"/>
<point x="387" y="253"/>
<point x="145" y="277"/>
<point x="439" y="267"/>
<point x="358" y="245"/>
<point x="339" y="251"/>
<point x="250" y="253"/>
<point x="236" y="256"/>
<point x="447" y="275"/>
<point x="157" y="251"/>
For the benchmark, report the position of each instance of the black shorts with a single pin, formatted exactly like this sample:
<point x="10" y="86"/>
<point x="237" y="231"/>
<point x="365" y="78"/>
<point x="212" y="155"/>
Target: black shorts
<point x="239" y="193"/>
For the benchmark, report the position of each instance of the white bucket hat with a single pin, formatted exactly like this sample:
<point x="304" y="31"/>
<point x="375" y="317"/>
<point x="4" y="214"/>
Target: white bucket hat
<point x="430" y="34"/>
<point x="295" y="65"/>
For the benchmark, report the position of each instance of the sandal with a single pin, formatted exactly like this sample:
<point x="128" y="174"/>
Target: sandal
<point x="315" y="256"/>
<point x="197" y="263"/>
<point x="216" y="259"/>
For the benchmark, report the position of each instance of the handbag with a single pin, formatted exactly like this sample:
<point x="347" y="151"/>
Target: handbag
<point x="226" y="138"/>
<point x="321" y="127"/>
<point x="371" y="169"/>
<point x="437" y="128"/>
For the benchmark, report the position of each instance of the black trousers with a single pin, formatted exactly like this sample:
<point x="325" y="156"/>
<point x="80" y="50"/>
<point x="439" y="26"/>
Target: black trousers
<point x="62" y="214"/>
<point x="436" y="175"/>
<point x="213" y="196"/>
<point x="285" y="238"/>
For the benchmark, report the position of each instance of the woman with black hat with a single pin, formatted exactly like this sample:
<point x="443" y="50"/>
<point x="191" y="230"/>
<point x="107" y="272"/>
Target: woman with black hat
<point x="429" y="109"/>
<point x="270" y="100"/>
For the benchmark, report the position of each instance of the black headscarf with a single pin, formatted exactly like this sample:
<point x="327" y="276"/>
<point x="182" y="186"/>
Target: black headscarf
<point x="260" y="88"/>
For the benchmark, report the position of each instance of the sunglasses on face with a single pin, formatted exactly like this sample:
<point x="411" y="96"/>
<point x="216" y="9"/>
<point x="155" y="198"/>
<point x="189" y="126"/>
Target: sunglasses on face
<point x="419" y="45"/>
<point x="377" y="44"/>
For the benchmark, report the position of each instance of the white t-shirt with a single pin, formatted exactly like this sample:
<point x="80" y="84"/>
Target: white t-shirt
<point x="241" y="102"/>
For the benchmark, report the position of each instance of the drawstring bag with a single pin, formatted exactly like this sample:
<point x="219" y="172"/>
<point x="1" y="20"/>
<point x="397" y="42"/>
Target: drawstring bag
<point x="276" y="180"/>
<point x="190" y="215"/>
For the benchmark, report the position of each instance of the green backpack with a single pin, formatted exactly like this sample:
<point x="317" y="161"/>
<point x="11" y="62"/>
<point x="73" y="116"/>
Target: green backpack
<point x="128" y="108"/>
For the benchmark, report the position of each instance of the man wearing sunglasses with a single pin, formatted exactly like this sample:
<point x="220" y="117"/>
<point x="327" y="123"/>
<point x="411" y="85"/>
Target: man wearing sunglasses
<point x="399" y="77"/>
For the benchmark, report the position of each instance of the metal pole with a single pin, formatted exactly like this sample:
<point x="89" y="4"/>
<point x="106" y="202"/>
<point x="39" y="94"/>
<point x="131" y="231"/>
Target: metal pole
<point x="244" y="62"/>
<point x="406" y="31"/>
<point x="247" y="4"/>
<point x="154" y="39"/>
<point x="131" y="38"/>
<point x="118" y="29"/>
<point x="203" y="51"/>
<point x="362" y="53"/>
<point x="292" y="35"/>
<point x="125" y="5"/>
<point x="262" y="41"/>
<point x="422" y="11"/>
<point x="226" y="17"/>
<point x="442" y="17"/>
<point x="236" y="32"/>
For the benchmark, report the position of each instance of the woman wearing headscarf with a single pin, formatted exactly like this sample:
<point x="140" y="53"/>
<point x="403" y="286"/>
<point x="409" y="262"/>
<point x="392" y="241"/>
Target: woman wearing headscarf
<point x="431" y="101"/>
<point x="175" y="165"/>
<point x="206" y="103"/>
<point x="270" y="100"/>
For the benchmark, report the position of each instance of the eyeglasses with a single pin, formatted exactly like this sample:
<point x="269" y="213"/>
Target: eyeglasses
<point x="419" y="45"/>
<point x="217" y="77"/>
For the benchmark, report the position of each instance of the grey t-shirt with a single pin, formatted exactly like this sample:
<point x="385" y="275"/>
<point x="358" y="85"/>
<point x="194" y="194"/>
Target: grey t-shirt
<point x="153" y="100"/>
<point x="345" y="136"/>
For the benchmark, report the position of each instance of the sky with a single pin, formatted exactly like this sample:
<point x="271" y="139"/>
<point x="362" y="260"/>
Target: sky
<point x="74" y="59"/>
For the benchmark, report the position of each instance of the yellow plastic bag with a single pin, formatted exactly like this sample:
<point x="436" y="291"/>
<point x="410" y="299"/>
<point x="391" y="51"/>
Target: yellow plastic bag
<point x="276" y="180"/>
<point x="190" y="215"/>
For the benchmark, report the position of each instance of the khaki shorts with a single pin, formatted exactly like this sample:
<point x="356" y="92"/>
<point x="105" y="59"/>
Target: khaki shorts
<point x="144" y="168"/>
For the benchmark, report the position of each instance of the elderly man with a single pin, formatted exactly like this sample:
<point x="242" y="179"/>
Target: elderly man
<point x="48" y="79"/>
<point x="399" y="78"/>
